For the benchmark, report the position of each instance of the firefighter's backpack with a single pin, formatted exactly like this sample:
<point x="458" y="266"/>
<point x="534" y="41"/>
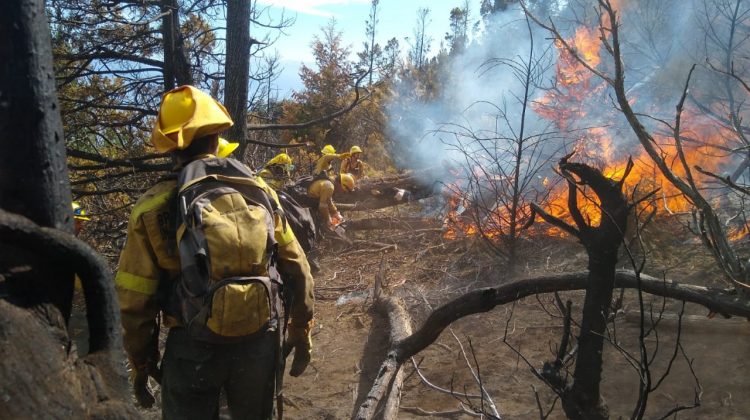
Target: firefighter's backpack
<point x="300" y="220"/>
<point x="228" y="289"/>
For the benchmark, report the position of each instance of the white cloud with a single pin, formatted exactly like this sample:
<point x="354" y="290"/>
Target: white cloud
<point x="311" y="7"/>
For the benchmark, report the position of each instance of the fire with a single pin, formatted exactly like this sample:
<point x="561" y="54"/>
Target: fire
<point x="576" y="92"/>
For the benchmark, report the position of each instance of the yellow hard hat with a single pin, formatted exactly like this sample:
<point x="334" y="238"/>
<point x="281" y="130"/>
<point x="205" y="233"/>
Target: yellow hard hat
<point x="347" y="182"/>
<point x="226" y="148"/>
<point x="328" y="150"/>
<point x="355" y="149"/>
<point x="187" y="113"/>
<point x="280" y="159"/>
<point x="78" y="212"/>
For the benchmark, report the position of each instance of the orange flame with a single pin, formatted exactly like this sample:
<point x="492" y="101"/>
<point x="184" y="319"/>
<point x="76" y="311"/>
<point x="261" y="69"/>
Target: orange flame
<point x="576" y="87"/>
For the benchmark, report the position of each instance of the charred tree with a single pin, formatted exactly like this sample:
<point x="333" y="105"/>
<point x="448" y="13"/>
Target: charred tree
<point x="33" y="175"/>
<point x="237" y="70"/>
<point x="582" y="399"/>
<point x="176" y="64"/>
<point x="38" y="257"/>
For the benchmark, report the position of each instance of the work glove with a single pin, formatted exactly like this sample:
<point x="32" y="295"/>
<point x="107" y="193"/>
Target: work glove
<point x="299" y="339"/>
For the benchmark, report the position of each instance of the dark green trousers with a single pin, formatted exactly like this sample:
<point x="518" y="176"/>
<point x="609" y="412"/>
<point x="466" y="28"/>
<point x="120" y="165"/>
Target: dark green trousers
<point x="194" y="374"/>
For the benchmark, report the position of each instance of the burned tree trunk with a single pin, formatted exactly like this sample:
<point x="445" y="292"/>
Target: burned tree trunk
<point x="582" y="399"/>
<point x="237" y="70"/>
<point x="38" y="375"/>
<point x="375" y="193"/>
<point x="33" y="174"/>
<point x="176" y="64"/>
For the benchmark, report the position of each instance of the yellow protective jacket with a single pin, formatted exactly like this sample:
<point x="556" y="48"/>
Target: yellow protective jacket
<point x="271" y="179"/>
<point x="325" y="163"/>
<point x="322" y="190"/>
<point x="357" y="167"/>
<point x="150" y="259"/>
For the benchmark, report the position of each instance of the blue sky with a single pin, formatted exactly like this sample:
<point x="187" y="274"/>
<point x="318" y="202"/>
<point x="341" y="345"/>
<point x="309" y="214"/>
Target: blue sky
<point x="397" y="19"/>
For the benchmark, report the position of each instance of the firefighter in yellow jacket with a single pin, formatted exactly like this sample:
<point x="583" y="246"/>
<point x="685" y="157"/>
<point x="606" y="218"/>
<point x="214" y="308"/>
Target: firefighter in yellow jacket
<point x="323" y="189"/>
<point x="325" y="161"/>
<point x="193" y="373"/>
<point x="277" y="171"/>
<point x="354" y="165"/>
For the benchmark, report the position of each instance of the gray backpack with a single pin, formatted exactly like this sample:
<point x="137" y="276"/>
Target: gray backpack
<point x="229" y="289"/>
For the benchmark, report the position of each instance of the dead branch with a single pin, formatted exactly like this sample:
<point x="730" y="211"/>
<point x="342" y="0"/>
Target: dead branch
<point x="436" y="387"/>
<point x="728" y="303"/>
<point x="717" y="300"/>
<point x="64" y="250"/>
<point x="390" y="376"/>
<point x="382" y="223"/>
<point x="726" y="180"/>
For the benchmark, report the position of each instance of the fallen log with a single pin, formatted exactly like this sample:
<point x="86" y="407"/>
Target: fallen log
<point x="727" y="303"/>
<point x="379" y="197"/>
<point x="386" y="390"/>
<point x="395" y="223"/>
<point x="377" y="193"/>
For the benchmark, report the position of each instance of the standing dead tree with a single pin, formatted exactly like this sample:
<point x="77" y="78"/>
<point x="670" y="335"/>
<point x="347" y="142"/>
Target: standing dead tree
<point x="706" y="220"/>
<point x="581" y="399"/>
<point x="39" y="257"/>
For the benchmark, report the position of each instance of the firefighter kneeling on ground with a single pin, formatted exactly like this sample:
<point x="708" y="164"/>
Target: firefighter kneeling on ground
<point x="216" y="339"/>
<point x="322" y="190"/>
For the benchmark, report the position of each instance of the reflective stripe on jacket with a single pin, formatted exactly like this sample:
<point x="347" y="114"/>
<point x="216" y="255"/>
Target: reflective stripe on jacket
<point x="150" y="257"/>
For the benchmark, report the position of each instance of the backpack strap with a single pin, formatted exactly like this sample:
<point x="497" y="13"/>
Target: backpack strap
<point x="217" y="176"/>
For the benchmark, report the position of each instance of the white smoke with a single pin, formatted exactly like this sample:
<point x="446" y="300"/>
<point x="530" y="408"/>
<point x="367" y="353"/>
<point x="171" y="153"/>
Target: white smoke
<point x="661" y="39"/>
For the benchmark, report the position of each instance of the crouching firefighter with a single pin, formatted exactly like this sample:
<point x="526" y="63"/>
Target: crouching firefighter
<point x="208" y="249"/>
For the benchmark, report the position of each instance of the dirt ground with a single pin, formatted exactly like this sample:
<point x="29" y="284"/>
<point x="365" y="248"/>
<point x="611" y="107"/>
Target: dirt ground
<point x="350" y="340"/>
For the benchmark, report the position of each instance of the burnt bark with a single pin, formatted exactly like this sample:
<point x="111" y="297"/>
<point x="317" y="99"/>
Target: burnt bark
<point x="64" y="252"/>
<point x="237" y="69"/>
<point x="176" y="63"/>
<point x="582" y="399"/>
<point x="33" y="175"/>
<point x="39" y="377"/>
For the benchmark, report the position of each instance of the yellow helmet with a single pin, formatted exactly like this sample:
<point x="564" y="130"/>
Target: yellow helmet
<point x="328" y="150"/>
<point x="280" y="159"/>
<point x="355" y="149"/>
<point x="347" y="182"/>
<point x="187" y="113"/>
<point x="78" y="212"/>
<point x="226" y="148"/>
